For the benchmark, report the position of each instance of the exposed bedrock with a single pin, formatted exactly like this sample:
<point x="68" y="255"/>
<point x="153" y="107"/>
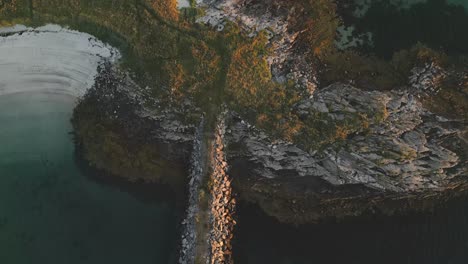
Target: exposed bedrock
<point x="383" y="151"/>
<point x="403" y="153"/>
<point x="286" y="60"/>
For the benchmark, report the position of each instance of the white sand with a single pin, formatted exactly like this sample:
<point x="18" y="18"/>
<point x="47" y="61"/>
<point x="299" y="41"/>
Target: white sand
<point x="50" y="59"/>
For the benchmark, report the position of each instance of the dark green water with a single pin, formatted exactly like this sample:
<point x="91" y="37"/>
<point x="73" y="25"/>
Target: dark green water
<point x="440" y="237"/>
<point x="440" y="24"/>
<point x="51" y="213"/>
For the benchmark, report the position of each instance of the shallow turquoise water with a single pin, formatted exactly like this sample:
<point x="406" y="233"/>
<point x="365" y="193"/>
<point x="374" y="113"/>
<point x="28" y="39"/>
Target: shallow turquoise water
<point x="51" y="213"/>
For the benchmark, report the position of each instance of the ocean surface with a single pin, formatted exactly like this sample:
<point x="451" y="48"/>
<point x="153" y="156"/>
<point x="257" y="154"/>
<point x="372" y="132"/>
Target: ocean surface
<point x="438" y="237"/>
<point x="51" y="213"/>
<point x="393" y="25"/>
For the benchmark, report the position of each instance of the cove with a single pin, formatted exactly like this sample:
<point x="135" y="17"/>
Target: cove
<point x="50" y="210"/>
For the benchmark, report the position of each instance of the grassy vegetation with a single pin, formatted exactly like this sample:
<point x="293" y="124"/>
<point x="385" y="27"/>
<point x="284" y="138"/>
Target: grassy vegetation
<point x="178" y="59"/>
<point x="149" y="33"/>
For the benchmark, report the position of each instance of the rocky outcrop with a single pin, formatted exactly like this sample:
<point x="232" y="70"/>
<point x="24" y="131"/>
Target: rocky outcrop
<point x="390" y="154"/>
<point x="123" y="132"/>
<point x="427" y="80"/>
<point x="402" y="151"/>
<point x="253" y="16"/>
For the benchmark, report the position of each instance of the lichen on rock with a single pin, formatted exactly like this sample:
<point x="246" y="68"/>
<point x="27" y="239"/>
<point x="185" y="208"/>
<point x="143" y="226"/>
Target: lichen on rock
<point x="404" y="150"/>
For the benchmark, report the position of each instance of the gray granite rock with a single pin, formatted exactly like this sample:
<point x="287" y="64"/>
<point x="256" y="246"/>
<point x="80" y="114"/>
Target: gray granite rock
<point x="403" y="150"/>
<point x="273" y="18"/>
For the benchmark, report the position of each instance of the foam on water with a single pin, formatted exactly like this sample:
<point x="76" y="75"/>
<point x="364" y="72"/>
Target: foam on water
<point x="50" y="58"/>
<point x="50" y="211"/>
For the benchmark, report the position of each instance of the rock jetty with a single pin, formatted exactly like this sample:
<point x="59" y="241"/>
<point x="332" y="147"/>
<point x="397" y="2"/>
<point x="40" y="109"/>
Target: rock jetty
<point x="222" y="203"/>
<point x="189" y="233"/>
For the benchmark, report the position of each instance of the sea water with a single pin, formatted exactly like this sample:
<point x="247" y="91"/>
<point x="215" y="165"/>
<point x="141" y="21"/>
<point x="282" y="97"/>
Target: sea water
<point x="50" y="212"/>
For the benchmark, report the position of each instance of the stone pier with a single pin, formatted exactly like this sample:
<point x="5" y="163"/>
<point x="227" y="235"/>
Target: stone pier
<point x="222" y="205"/>
<point x="189" y="237"/>
<point x="207" y="229"/>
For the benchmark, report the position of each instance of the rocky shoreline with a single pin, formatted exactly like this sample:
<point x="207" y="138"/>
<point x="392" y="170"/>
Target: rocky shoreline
<point x="398" y="154"/>
<point x="399" y="158"/>
<point x="367" y="151"/>
<point x="372" y="150"/>
<point x="120" y="134"/>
